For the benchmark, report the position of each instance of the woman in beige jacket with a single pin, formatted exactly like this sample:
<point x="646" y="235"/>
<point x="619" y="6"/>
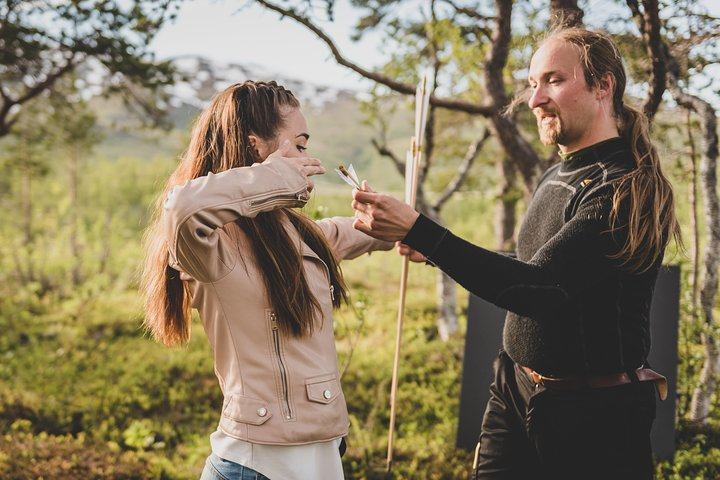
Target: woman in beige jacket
<point x="265" y="280"/>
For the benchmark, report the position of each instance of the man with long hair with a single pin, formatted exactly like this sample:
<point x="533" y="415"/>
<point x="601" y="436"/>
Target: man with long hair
<point x="572" y="395"/>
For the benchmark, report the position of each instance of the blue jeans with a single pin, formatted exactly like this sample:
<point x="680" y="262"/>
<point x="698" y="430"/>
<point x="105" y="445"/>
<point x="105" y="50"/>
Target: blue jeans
<point x="217" y="468"/>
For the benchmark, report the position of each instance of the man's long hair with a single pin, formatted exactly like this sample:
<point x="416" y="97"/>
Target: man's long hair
<point x="219" y="142"/>
<point x="644" y="195"/>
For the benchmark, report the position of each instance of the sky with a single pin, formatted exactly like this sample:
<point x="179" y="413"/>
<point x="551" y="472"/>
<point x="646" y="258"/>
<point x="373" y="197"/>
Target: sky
<point x="240" y="31"/>
<point x="225" y="31"/>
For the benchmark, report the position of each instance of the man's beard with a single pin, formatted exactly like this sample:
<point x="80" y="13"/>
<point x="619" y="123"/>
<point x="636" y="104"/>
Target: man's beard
<point x="551" y="133"/>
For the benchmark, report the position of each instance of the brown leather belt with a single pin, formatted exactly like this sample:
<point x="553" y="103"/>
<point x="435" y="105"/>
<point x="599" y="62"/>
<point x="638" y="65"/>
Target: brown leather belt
<point x="577" y="382"/>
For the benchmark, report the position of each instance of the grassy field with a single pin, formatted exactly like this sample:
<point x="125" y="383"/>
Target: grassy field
<point x="84" y="394"/>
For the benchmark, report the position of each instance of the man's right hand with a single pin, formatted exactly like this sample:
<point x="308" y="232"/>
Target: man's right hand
<point x="382" y="216"/>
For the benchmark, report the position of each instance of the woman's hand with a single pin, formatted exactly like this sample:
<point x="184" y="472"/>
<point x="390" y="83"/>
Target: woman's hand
<point x="308" y="166"/>
<point x="413" y="255"/>
<point x="382" y="216"/>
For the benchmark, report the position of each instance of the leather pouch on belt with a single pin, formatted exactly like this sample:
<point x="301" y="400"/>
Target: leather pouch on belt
<point x="649" y="375"/>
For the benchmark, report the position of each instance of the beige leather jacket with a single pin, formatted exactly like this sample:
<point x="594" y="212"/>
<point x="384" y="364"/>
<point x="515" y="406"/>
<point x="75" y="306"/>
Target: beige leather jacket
<point x="277" y="389"/>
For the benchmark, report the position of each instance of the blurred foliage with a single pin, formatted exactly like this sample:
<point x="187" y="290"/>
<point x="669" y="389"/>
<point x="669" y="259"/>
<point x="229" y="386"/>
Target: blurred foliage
<point x="23" y="455"/>
<point x="43" y="43"/>
<point x="85" y="394"/>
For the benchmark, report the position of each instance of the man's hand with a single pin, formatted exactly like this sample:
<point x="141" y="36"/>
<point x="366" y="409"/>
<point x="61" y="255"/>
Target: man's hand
<point x="382" y="216"/>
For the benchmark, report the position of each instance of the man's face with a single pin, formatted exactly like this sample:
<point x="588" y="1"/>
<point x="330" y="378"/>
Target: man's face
<point x="563" y="104"/>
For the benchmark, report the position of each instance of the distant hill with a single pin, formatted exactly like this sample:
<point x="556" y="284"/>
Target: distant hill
<point x="339" y="134"/>
<point x="204" y="77"/>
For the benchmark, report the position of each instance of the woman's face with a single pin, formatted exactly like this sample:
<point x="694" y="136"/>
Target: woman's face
<point x="294" y="129"/>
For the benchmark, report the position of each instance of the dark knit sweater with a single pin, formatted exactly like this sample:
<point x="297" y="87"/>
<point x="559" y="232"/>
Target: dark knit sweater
<point x="570" y="308"/>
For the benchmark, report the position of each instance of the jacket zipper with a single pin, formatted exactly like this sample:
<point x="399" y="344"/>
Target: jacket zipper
<point x="327" y="272"/>
<point x="300" y="196"/>
<point x="281" y="365"/>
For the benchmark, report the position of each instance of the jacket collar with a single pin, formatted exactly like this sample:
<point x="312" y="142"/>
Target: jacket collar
<point x="598" y="152"/>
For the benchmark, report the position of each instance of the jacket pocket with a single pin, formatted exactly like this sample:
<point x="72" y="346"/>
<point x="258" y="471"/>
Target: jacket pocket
<point x="323" y="388"/>
<point x="248" y="410"/>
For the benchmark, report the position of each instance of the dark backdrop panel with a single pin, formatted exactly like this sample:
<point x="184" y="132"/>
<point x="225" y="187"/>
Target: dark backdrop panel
<point x="483" y="340"/>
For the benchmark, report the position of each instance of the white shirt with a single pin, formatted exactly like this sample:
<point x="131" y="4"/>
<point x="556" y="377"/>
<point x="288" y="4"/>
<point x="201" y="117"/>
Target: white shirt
<point x="319" y="461"/>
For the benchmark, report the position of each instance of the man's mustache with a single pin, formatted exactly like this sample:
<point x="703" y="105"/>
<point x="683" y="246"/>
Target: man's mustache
<point x="540" y="114"/>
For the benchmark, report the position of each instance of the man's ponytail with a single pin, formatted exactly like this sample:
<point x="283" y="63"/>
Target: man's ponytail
<point x="650" y="203"/>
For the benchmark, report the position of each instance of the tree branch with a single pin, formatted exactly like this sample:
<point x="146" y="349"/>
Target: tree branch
<point x="448" y="103"/>
<point x="657" y="55"/>
<point x="430" y="126"/>
<point x="474" y="15"/>
<point x="386" y="152"/>
<point x="4" y="95"/>
<point x="45" y="84"/>
<point x="649" y="26"/>
<point x="5" y="121"/>
<point x="7" y="104"/>
<point x="469" y="12"/>
<point x="467" y="163"/>
<point x="515" y="146"/>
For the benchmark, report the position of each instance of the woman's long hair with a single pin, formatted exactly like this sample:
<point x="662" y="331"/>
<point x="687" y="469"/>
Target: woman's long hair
<point x="644" y="195"/>
<point x="219" y="142"/>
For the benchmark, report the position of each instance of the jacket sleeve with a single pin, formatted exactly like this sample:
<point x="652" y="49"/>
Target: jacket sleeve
<point x="346" y="242"/>
<point x="195" y="212"/>
<point x="572" y="261"/>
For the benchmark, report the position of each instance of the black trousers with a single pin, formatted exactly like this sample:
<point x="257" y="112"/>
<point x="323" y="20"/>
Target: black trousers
<point x="531" y="432"/>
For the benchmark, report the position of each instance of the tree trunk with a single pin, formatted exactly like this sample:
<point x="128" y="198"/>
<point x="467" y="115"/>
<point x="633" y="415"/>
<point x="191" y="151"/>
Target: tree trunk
<point x="694" y="274"/>
<point x="447" y="318"/>
<point x="525" y="159"/>
<point x="446" y="288"/>
<point x="708" y="382"/>
<point x="695" y="234"/>
<point x="27" y="206"/>
<point x="505" y="206"/>
<point x="105" y="255"/>
<point x="707" y="385"/>
<point x="665" y="73"/>
<point x="73" y="191"/>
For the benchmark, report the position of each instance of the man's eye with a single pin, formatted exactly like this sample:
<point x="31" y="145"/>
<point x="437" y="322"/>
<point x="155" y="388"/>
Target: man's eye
<point x="301" y="148"/>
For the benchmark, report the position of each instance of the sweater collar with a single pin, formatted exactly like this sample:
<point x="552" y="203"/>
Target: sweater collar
<point x="594" y="153"/>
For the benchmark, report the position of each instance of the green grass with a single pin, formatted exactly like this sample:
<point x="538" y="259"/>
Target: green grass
<point x="84" y="394"/>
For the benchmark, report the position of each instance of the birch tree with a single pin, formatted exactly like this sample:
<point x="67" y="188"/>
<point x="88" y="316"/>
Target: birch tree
<point x="671" y="60"/>
<point x="74" y="131"/>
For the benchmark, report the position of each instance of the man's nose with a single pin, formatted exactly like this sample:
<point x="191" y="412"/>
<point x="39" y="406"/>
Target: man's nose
<point x="537" y="98"/>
